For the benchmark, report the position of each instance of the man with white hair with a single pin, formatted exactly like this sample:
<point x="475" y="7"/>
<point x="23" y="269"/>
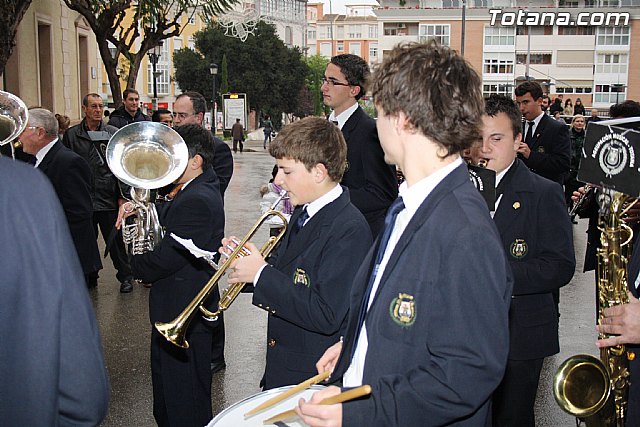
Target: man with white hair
<point x="71" y="178"/>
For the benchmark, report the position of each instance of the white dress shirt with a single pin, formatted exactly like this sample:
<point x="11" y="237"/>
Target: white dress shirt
<point x="413" y="197"/>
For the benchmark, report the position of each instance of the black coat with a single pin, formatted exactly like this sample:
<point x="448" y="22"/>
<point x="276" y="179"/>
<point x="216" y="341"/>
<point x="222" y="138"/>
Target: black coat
<point x="550" y="150"/>
<point x="71" y="178"/>
<point x="538" y="239"/>
<point x="120" y="117"/>
<point x="105" y="189"/>
<point x="372" y="183"/>
<point x="439" y="365"/>
<point x="307" y="290"/>
<point x="633" y="407"/>
<point x="195" y="213"/>
<point x="182" y="378"/>
<point x="222" y="164"/>
<point x="52" y="367"/>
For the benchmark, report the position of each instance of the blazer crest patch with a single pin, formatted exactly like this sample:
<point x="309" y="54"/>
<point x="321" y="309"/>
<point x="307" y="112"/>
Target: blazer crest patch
<point x="540" y="149"/>
<point x="519" y="249"/>
<point x="403" y="310"/>
<point x="301" y="277"/>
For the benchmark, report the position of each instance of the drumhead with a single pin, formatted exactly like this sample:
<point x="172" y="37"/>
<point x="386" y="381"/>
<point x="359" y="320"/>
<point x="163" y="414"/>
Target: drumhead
<point x="233" y="416"/>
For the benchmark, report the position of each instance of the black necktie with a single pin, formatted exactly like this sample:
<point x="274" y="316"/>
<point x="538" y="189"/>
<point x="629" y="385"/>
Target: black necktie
<point x="304" y="215"/>
<point x="389" y="222"/>
<point x="529" y="138"/>
<point x="335" y="122"/>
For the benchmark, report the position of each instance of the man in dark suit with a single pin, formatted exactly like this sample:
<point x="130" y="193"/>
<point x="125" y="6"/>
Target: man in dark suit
<point x="546" y="146"/>
<point x="371" y="182"/>
<point x="52" y="367"/>
<point x="536" y="234"/>
<point x="428" y="321"/>
<point x="189" y="108"/>
<point x="182" y="377"/>
<point x="71" y="178"/>
<point x="307" y="284"/>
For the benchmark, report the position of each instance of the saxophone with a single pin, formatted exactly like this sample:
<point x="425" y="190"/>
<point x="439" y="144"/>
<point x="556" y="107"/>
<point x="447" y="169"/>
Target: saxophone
<point x="596" y="390"/>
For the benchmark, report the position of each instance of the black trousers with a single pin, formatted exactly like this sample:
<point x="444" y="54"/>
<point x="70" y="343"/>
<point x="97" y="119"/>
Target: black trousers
<point x="106" y="221"/>
<point x="515" y="397"/>
<point x="235" y="145"/>
<point x="182" y="379"/>
<point x="217" y="342"/>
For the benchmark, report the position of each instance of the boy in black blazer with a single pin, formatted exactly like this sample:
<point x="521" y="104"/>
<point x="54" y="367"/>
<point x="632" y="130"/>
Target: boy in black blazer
<point x="429" y="337"/>
<point x="182" y="377"/>
<point x="306" y="286"/>
<point x="536" y="234"/>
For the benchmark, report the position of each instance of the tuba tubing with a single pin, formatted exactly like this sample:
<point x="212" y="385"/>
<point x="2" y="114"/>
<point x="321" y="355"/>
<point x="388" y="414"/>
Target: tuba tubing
<point x="176" y="330"/>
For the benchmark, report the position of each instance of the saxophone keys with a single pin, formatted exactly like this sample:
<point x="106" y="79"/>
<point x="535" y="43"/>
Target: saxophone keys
<point x="631" y="355"/>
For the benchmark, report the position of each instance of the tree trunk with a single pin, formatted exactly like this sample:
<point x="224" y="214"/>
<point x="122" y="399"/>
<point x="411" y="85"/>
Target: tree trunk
<point x="12" y="13"/>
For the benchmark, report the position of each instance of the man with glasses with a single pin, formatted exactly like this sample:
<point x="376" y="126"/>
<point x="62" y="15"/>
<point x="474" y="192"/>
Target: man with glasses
<point x="189" y="108"/>
<point x="71" y="179"/>
<point x="371" y="182"/>
<point x="89" y="139"/>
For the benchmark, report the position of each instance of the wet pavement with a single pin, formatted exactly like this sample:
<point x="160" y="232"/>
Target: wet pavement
<point x="125" y="326"/>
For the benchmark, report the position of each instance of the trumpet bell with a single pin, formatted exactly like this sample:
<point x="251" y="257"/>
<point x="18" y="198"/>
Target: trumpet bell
<point x="581" y="385"/>
<point x="147" y="155"/>
<point x="14" y="116"/>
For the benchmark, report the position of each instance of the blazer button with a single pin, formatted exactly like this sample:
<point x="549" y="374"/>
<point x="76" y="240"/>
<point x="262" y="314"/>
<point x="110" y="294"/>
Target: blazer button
<point x="272" y="343"/>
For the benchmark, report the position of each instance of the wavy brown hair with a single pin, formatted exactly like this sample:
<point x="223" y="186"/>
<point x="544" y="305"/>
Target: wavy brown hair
<point x="436" y="88"/>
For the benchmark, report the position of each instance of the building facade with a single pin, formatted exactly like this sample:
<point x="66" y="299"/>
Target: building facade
<point x="55" y="61"/>
<point x="355" y="32"/>
<point x="593" y="62"/>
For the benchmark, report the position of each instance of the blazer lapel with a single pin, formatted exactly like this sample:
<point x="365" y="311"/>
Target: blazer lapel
<point x="46" y="161"/>
<point x="312" y="228"/>
<point x="351" y="123"/>
<point x="509" y="207"/>
<point x="456" y="178"/>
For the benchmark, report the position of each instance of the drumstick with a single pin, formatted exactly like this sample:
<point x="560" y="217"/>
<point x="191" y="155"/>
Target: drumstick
<point x="293" y="390"/>
<point x="354" y="393"/>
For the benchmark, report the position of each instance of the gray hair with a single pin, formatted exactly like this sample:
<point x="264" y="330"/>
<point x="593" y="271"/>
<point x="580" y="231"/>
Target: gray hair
<point x="45" y="119"/>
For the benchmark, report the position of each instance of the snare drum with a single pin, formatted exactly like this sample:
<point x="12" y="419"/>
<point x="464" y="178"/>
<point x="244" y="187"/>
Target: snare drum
<point x="234" y="415"/>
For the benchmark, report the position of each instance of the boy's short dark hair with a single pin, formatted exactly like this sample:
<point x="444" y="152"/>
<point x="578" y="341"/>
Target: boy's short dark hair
<point x="199" y="141"/>
<point x="310" y="141"/>
<point x="355" y="70"/>
<point x="626" y="108"/>
<point x="437" y="90"/>
<point x="501" y="104"/>
<point x="533" y="88"/>
<point x="156" y="114"/>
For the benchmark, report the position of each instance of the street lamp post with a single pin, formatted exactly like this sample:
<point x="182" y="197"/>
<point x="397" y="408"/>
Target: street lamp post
<point x="213" y="69"/>
<point x="154" y="56"/>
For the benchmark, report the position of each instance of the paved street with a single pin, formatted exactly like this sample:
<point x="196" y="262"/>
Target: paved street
<point x="125" y="326"/>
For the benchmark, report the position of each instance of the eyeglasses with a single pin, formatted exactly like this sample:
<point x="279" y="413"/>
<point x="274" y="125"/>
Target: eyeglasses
<point x="333" y="82"/>
<point x="182" y="116"/>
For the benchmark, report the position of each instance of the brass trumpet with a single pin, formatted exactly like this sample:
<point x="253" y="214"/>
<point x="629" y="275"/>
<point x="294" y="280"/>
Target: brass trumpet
<point x="176" y="330"/>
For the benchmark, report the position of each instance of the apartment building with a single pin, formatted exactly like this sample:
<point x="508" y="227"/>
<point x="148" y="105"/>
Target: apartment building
<point x="355" y="32"/>
<point x="592" y="62"/>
